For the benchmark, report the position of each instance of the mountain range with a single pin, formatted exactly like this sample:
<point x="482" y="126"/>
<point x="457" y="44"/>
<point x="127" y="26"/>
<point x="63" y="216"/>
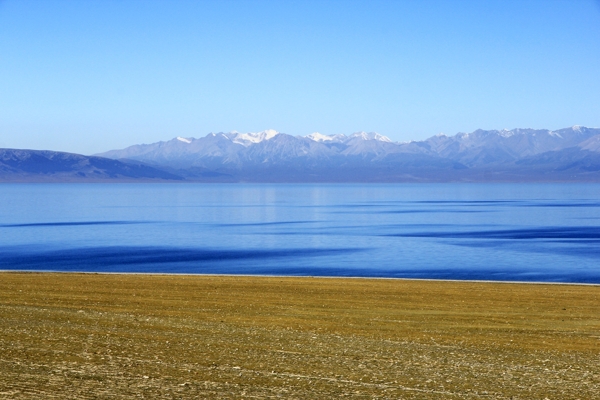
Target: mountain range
<point x="518" y="155"/>
<point x="269" y="156"/>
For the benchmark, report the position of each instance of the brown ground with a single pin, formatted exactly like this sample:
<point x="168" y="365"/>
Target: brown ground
<point x="151" y="336"/>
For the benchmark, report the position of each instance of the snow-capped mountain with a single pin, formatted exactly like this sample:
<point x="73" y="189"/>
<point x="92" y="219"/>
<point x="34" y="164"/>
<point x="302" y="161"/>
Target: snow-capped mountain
<point x="248" y="139"/>
<point x="517" y="155"/>
<point x="340" y="138"/>
<point x="370" y="136"/>
<point x="319" y="137"/>
<point x="492" y="147"/>
<point x="314" y="157"/>
<point x="235" y="149"/>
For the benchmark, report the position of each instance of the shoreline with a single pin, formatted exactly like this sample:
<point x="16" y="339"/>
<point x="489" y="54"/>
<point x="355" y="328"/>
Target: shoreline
<point x="2" y="271"/>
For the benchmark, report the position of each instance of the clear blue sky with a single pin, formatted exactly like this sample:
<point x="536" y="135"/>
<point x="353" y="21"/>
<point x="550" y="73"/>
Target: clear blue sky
<point x="89" y="76"/>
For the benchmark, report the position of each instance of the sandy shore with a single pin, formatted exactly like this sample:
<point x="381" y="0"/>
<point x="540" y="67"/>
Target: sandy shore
<point x="169" y="336"/>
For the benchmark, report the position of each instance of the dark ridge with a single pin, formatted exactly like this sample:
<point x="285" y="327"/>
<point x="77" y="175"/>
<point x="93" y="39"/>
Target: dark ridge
<point x="53" y="166"/>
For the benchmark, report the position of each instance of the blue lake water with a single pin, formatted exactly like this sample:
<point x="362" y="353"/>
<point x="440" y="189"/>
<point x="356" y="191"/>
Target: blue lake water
<point x="522" y="232"/>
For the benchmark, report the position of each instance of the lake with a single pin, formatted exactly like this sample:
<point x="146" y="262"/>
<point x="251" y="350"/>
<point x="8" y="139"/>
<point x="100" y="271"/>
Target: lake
<point x="510" y="232"/>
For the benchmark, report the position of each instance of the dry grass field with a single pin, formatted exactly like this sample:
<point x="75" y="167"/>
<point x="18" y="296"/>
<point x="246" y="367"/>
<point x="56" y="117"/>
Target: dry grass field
<point x="87" y="336"/>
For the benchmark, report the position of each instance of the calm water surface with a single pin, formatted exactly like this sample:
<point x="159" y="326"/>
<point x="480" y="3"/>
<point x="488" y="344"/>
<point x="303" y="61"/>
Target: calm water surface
<point x="525" y="232"/>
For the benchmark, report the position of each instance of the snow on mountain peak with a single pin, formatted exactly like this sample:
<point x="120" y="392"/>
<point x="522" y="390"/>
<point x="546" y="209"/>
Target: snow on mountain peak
<point x="370" y="136"/>
<point x="184" y="140"/>
<point x="269" y="134"/>
<point x="555" y="134"/>
<point x="247" y="139"/>
<point x="319" y="137"/>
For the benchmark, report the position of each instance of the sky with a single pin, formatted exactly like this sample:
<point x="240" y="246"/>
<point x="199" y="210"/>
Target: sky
<point x="90" y="76"/>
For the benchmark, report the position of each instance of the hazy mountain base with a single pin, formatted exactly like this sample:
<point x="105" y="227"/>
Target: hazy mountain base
<point x="122" y="336"/>
<point x="391" y="175"/>
<point x="413" y="169"/>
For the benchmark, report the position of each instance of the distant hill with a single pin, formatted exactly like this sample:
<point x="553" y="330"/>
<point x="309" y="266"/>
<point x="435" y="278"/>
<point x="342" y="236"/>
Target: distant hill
<point x="569" y="154"/>
<point x="51" y="166"/>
